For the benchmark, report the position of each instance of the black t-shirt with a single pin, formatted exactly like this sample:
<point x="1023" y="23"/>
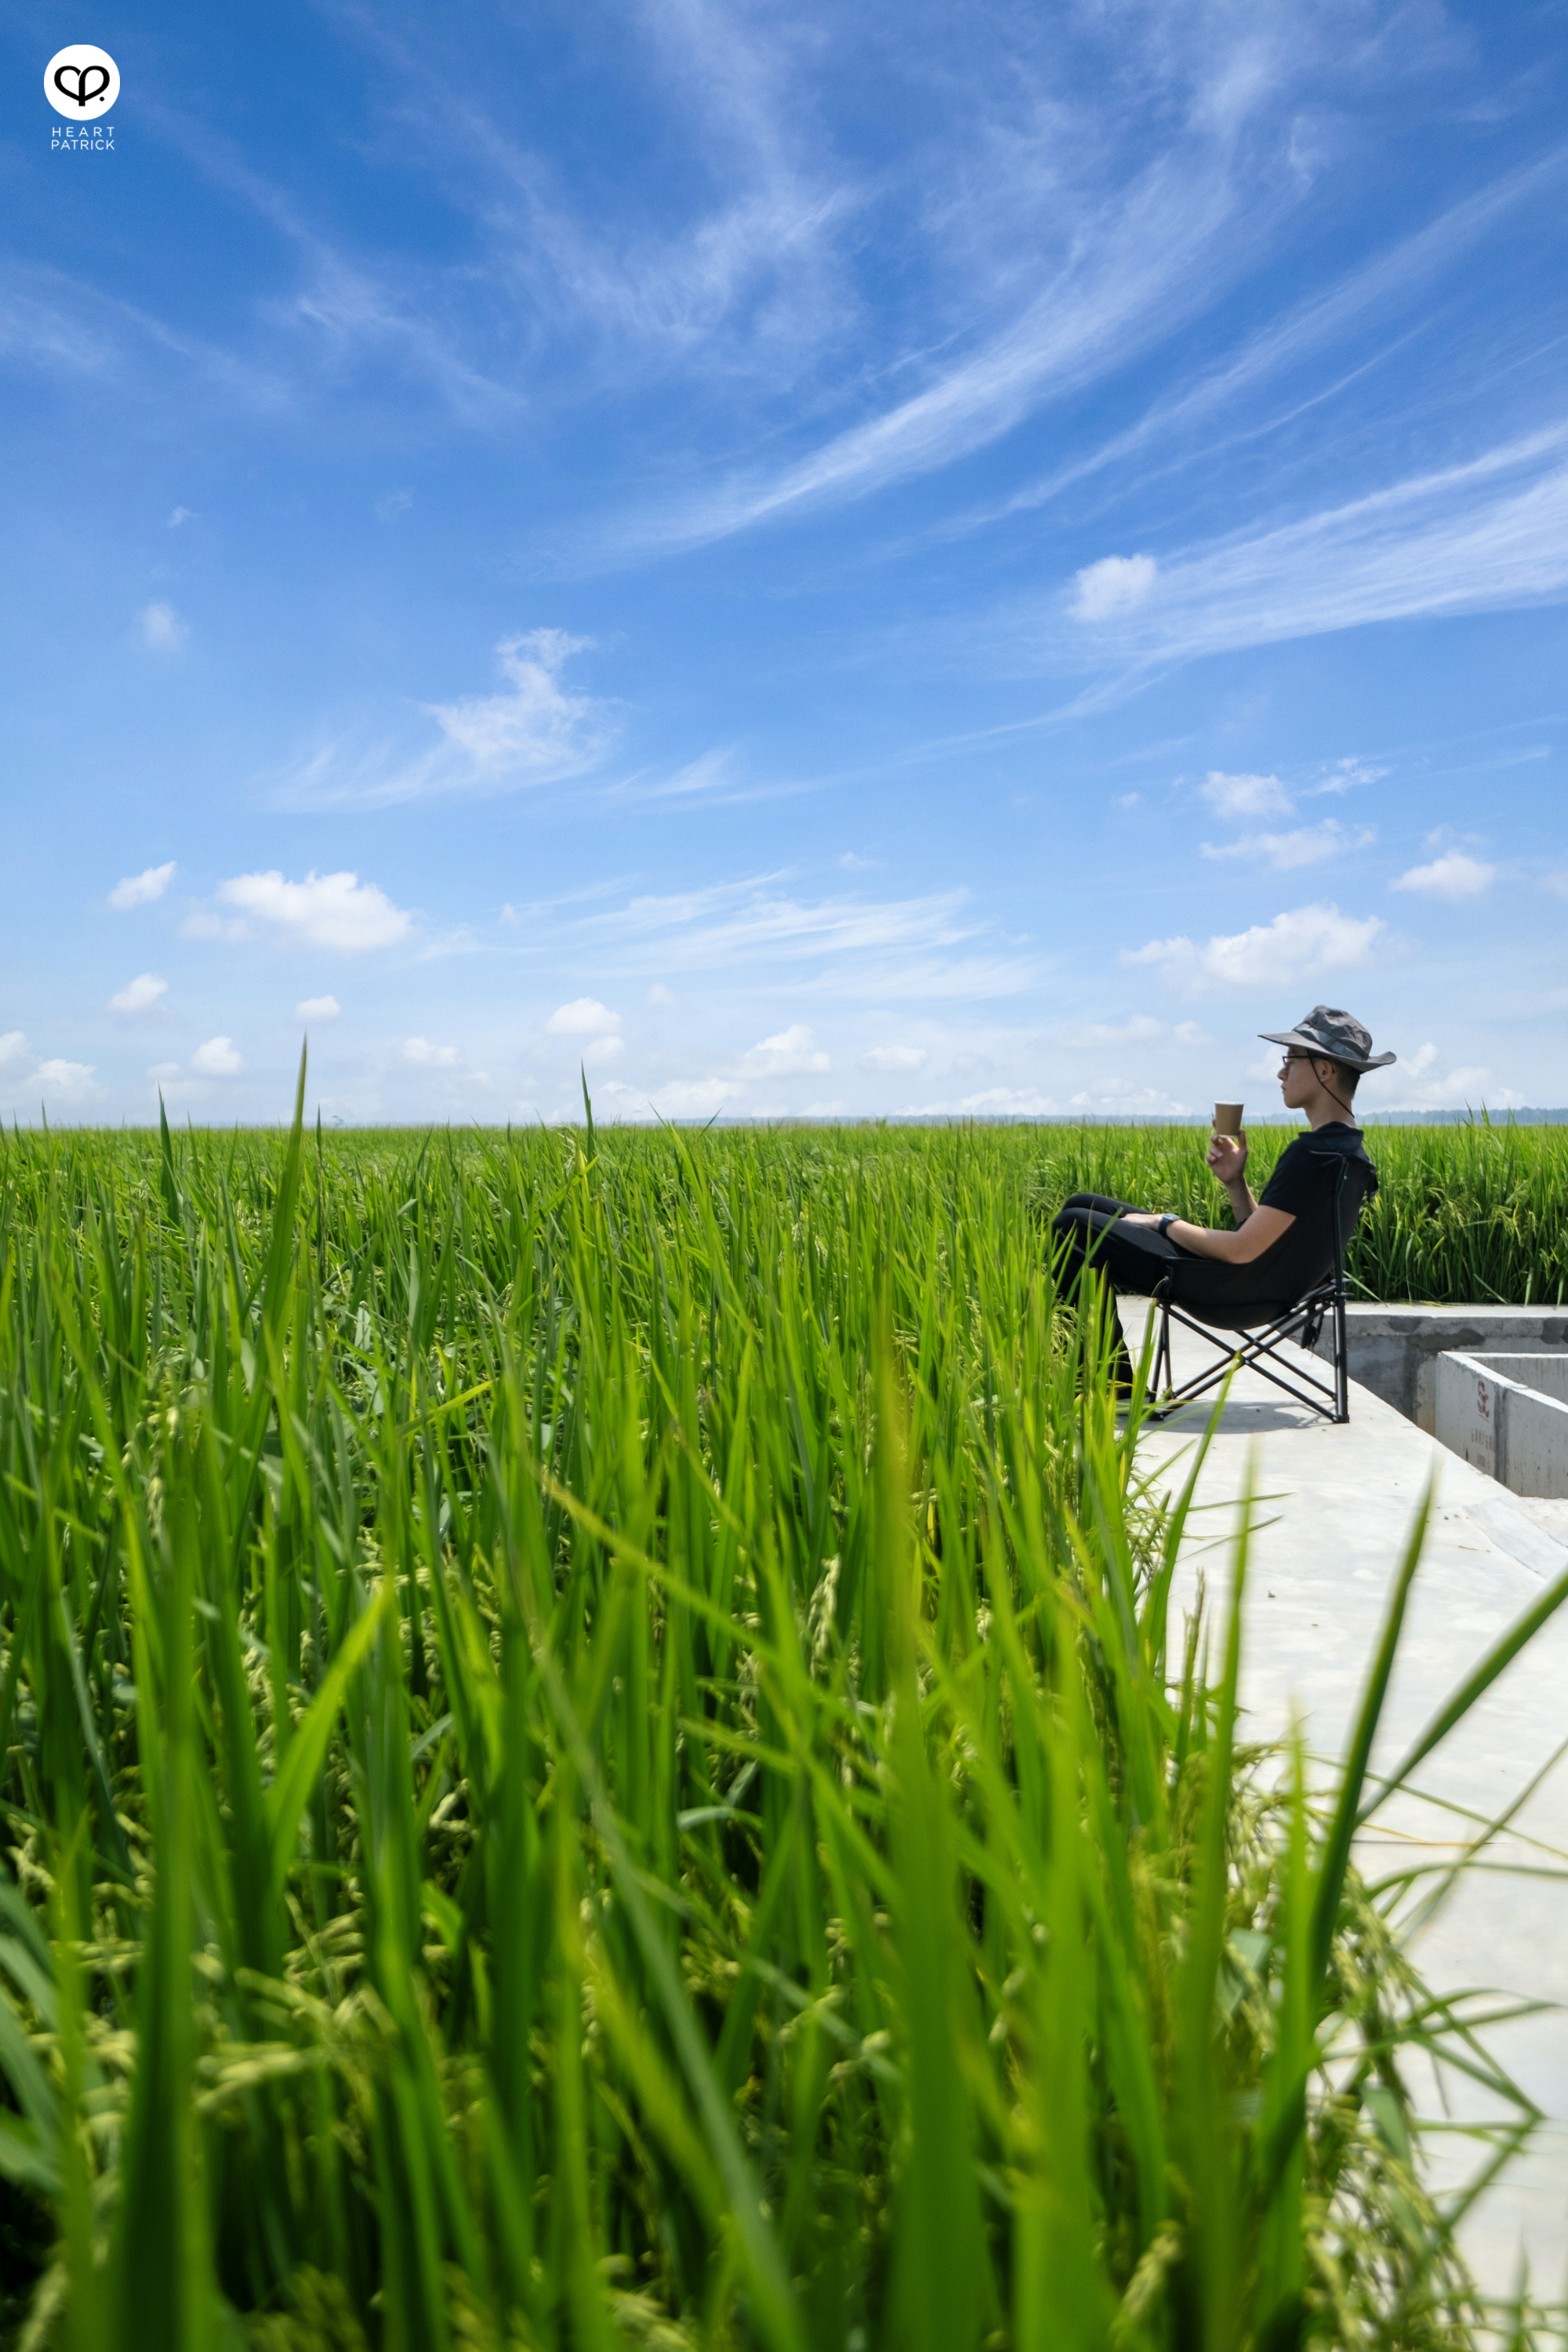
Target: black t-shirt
<point x="1301" y="1181"/>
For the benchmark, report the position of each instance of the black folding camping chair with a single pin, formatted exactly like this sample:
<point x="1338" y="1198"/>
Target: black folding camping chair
<point x="1314" y="1263"/>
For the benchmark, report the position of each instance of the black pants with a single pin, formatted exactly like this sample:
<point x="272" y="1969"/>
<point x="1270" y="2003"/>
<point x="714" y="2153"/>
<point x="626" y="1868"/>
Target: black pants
<point x="1088" y="1232"/>
<point x="1135" y="1257"/>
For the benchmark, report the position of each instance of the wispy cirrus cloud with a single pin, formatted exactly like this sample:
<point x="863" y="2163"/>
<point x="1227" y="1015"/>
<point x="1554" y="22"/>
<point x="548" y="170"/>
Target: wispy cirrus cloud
<point x="1307" y="844"/>
<point x="1487" y="534"/>
<point x="536" y="731"/>
<point x="1385" y="287"/>
<point x="897" y="948"/>
<point x="1134" y="275"/>
<point x="734" y="263"/>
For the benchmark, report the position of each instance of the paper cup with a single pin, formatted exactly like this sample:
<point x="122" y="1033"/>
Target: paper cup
<point x="1228" y="1118"/>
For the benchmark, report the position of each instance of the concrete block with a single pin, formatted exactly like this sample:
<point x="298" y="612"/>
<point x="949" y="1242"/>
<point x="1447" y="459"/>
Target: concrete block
<point x="1508" y="1416"/>
<point x="1394" y="1349"/>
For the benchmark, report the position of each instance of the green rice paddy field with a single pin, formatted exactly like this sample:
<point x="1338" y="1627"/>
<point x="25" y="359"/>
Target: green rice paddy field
<point x="594" y="1752"/>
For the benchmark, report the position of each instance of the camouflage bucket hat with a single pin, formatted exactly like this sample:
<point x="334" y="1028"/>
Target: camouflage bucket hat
<point x="1337" y="1036"/>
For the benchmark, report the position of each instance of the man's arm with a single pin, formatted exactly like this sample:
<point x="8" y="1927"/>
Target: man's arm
<point x="1260" y="1232"/>
<point x="1256" y="1229"/>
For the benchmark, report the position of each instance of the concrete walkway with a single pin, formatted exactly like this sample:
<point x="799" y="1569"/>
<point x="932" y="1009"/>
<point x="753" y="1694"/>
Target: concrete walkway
<point x="1333" y="1520"/>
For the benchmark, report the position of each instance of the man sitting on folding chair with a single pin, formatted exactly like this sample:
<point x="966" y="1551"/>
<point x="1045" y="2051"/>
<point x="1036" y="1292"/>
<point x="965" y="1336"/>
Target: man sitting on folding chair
<point x="1286" y="1247"/>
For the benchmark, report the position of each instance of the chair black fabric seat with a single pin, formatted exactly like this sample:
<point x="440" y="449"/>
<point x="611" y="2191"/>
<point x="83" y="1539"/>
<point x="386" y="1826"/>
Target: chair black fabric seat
<point x="1286" y="1294"/>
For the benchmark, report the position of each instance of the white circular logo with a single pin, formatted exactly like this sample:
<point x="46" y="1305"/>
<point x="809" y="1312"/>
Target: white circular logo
<point x="81" y="82"/>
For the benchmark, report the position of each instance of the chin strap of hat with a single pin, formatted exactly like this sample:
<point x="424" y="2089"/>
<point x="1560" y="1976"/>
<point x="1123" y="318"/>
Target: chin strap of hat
<point x="1329" y="1090"/>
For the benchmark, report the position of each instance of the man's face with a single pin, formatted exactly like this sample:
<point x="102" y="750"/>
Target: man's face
<point x="1299" y="1079"/>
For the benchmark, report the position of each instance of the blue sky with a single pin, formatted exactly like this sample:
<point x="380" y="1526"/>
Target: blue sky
<point x="946" y="557"/>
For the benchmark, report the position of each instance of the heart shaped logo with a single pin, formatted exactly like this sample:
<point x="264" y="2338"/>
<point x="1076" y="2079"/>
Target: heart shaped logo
<point x="81" y="82"/>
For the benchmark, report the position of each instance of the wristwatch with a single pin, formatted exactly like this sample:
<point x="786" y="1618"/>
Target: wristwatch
<point x="1165" y="1222"/>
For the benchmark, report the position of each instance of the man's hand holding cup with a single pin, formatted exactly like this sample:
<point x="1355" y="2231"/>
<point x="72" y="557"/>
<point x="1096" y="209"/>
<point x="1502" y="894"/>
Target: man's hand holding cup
<point x="1227" y="1154"/>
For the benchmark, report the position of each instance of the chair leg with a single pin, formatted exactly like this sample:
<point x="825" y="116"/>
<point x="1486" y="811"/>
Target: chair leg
<point x="1341" y="1358"/>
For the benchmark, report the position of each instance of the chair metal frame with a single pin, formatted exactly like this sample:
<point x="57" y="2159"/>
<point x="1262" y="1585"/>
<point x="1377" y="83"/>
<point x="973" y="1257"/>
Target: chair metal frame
<point x="1304" y="1320"/>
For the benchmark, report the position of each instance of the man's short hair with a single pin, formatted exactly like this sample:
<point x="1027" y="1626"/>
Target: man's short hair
<point x="1346" y="1080"/>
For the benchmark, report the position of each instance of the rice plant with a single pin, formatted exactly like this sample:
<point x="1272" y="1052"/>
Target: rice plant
<point x="593" y="1753"/>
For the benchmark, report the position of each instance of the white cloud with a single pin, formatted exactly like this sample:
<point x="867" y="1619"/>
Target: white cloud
<point x="201" y="923"/>
<point x="992" y="1102"/>
<point x="1453" y="876"/>
<point x="13" y="1049"/>
<point x="1345" y="775"/>
<point x="426" y="1056"/>
<point x="218" y="1059"/>
<point x="537" y="731"/>
<point x="1115" y="1098"/>
<point x="1117" y="584"/>
<point x="1142" y="1029"/>
<point x="693" y="1097"/>
<point x="1298" y="945"/>
<point x="1243" y="796"/>
<point x="1414" y="1083"/>
<point x="583" y="1017"/>
<point x="600" y="1052"/>
<point x="1007" y="1102"/>
<point x="318" y="1008"/>
<point x="853" y="863"/>
<point x="162" y="631"/>
<point x="1308" y="846"/>
<point x="793" y="1049"/>
<point x="179" y="515"/>
<point x="392" y="504"/>
<point x="325" y="910"/>
<point x="70" y="1081"/>
<point x="661" y="995"/>
<point x="895" y="1057"/>
<point x="139" y="889"/>
<point x="142" y="994"/>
